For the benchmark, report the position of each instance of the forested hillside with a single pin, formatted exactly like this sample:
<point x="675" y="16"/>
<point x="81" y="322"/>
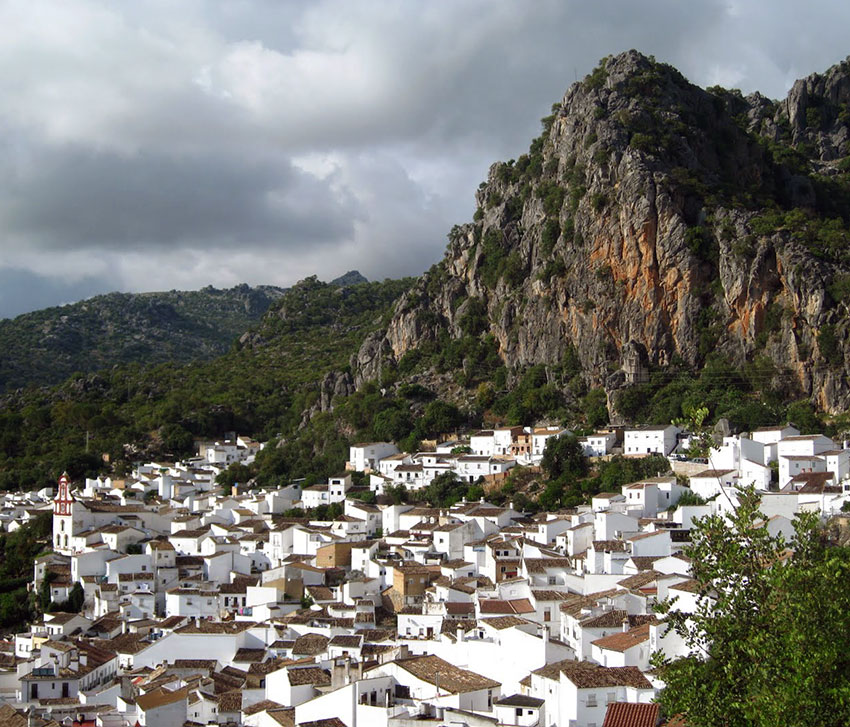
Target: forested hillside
<point x="47" y="346"/>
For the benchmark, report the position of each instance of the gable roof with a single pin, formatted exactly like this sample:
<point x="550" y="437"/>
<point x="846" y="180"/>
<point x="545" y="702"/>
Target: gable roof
<point x="586" y="675"/>
<point x="624" y="640"/>
<point x="446" y="676"/>
<point x="631" y="714"/>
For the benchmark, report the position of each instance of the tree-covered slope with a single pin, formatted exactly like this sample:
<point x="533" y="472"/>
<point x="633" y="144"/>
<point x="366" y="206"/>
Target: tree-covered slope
<point x="261" y="387"/>
<point x="47" y="346"/>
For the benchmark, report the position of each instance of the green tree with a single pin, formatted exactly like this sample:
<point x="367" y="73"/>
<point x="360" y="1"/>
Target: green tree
<point x="594" y="405"/>
<point x="445" y="490"/>
<point x="564" y="456"/>
<point x="769" y="631"/>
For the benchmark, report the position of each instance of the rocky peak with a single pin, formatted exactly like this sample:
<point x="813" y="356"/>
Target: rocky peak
<point x="654" y="214"/>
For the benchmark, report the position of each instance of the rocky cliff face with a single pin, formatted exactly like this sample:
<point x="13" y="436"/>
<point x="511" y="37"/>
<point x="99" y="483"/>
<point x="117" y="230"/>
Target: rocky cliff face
<point x="660" y="219"/>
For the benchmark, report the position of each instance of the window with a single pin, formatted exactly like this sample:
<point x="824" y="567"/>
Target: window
<point x="591" y="700"/>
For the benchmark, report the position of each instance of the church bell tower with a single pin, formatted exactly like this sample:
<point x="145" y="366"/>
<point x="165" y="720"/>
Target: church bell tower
<point x="63" y="502"/>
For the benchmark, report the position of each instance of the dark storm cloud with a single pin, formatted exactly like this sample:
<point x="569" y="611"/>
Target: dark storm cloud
<point x="75" y="197"/>
<point x="166" y="145"/>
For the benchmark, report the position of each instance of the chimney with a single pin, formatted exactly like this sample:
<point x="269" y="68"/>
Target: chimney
<point x="337" y="679"/>
<point x="348" y="669"/>
<point x="545" y="635"/>
<point x="625" y="624"/>
<point x="460" y="634"/>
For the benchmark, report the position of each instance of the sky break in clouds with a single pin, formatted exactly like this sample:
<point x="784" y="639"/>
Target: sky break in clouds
<point x="150" y="145"/>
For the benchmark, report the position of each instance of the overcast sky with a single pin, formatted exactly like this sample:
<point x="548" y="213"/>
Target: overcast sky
<point x="180" y="143"/>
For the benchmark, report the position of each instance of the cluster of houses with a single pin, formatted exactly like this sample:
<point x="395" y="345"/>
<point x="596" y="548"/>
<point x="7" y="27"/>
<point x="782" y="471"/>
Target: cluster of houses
<point x="209" y="608"/>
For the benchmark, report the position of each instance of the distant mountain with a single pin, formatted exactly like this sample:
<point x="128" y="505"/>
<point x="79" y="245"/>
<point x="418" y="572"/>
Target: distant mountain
<point x="352" y="277"/>
<point x="46" y="346"/>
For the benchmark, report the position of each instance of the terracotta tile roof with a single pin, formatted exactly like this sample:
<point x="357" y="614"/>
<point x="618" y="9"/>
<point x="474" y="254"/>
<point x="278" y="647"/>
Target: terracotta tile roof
<point x="216" y="627"/>
<point x="504" y="622"/>
<point x="448" y="677"/>
<point x="607" y="619"/>
<point x="451" y="625"/>
<point x="10" y="717"/>
<point x="249" y="656"/>
<point x="310" y="645"/>
<point x="453" y="608"/>
<point x="624" y="640"/>
<point x="327" y="722"/>
<point x="348" y="641"/>
<point x="639" y="579"/>
<point x="541" y="565"/>
<point x="205" y="664"/>
<point x="315" y="675"/>
<point x="546" y="595"/>
<point x="261" y="707"/>
<point x="644" y="562"/>
<point x="520" y="700"/>
<point x="630" y="714"/>
<point x="610" y="546"/>
<point x="576" y="603"/>
<point x="230" y="701"/>
<point x="498" y="606"/>
<point x="586" y="675"/>
<point x="159" y="698"/>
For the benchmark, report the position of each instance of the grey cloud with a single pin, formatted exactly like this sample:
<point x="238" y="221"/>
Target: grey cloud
<point x="76" y="197"/>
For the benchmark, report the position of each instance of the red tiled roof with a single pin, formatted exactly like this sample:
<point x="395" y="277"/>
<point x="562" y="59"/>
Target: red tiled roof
<point x="629" y="714"/>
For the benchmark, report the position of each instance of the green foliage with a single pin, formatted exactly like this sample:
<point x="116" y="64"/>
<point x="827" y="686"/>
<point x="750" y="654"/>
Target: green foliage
<point x="598" y="200"/>
<point x="826" y="237"/>
<point x="551" y="194"/>
<point x="123" y="328"/>
<point x="689" y="499"/>
<point x="596" y="78"/>
<point x="445" y="490"/>
<point x="493" y="255"/>
<point x="829" y="346"/>
<point x="768" y="628"/>
<point x="839" y="288"/>
<point x="261" y="391"/>
<point x="234" y="474"/>
<point x="440" y="418"/>
<point x="563" y="456"/>
<point x="397" y="493"/>
<point x="531" y="398"/>
<point x="803" y="415"/>
<point x="701" y="243"/>
<point x="594" y="406"/>
<point x="177" y="440"/>
<point x="549" y="236"/>
<point x="474" y="319"/>
<point x="17" y="552"/>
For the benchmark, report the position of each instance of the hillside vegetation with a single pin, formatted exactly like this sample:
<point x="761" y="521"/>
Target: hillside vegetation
<point x="47" y="346"/>
<point x="261" y="387"/>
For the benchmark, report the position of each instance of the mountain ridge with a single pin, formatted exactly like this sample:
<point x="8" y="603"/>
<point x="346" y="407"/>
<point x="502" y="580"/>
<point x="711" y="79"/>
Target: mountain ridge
<point x="46" y="346"/>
